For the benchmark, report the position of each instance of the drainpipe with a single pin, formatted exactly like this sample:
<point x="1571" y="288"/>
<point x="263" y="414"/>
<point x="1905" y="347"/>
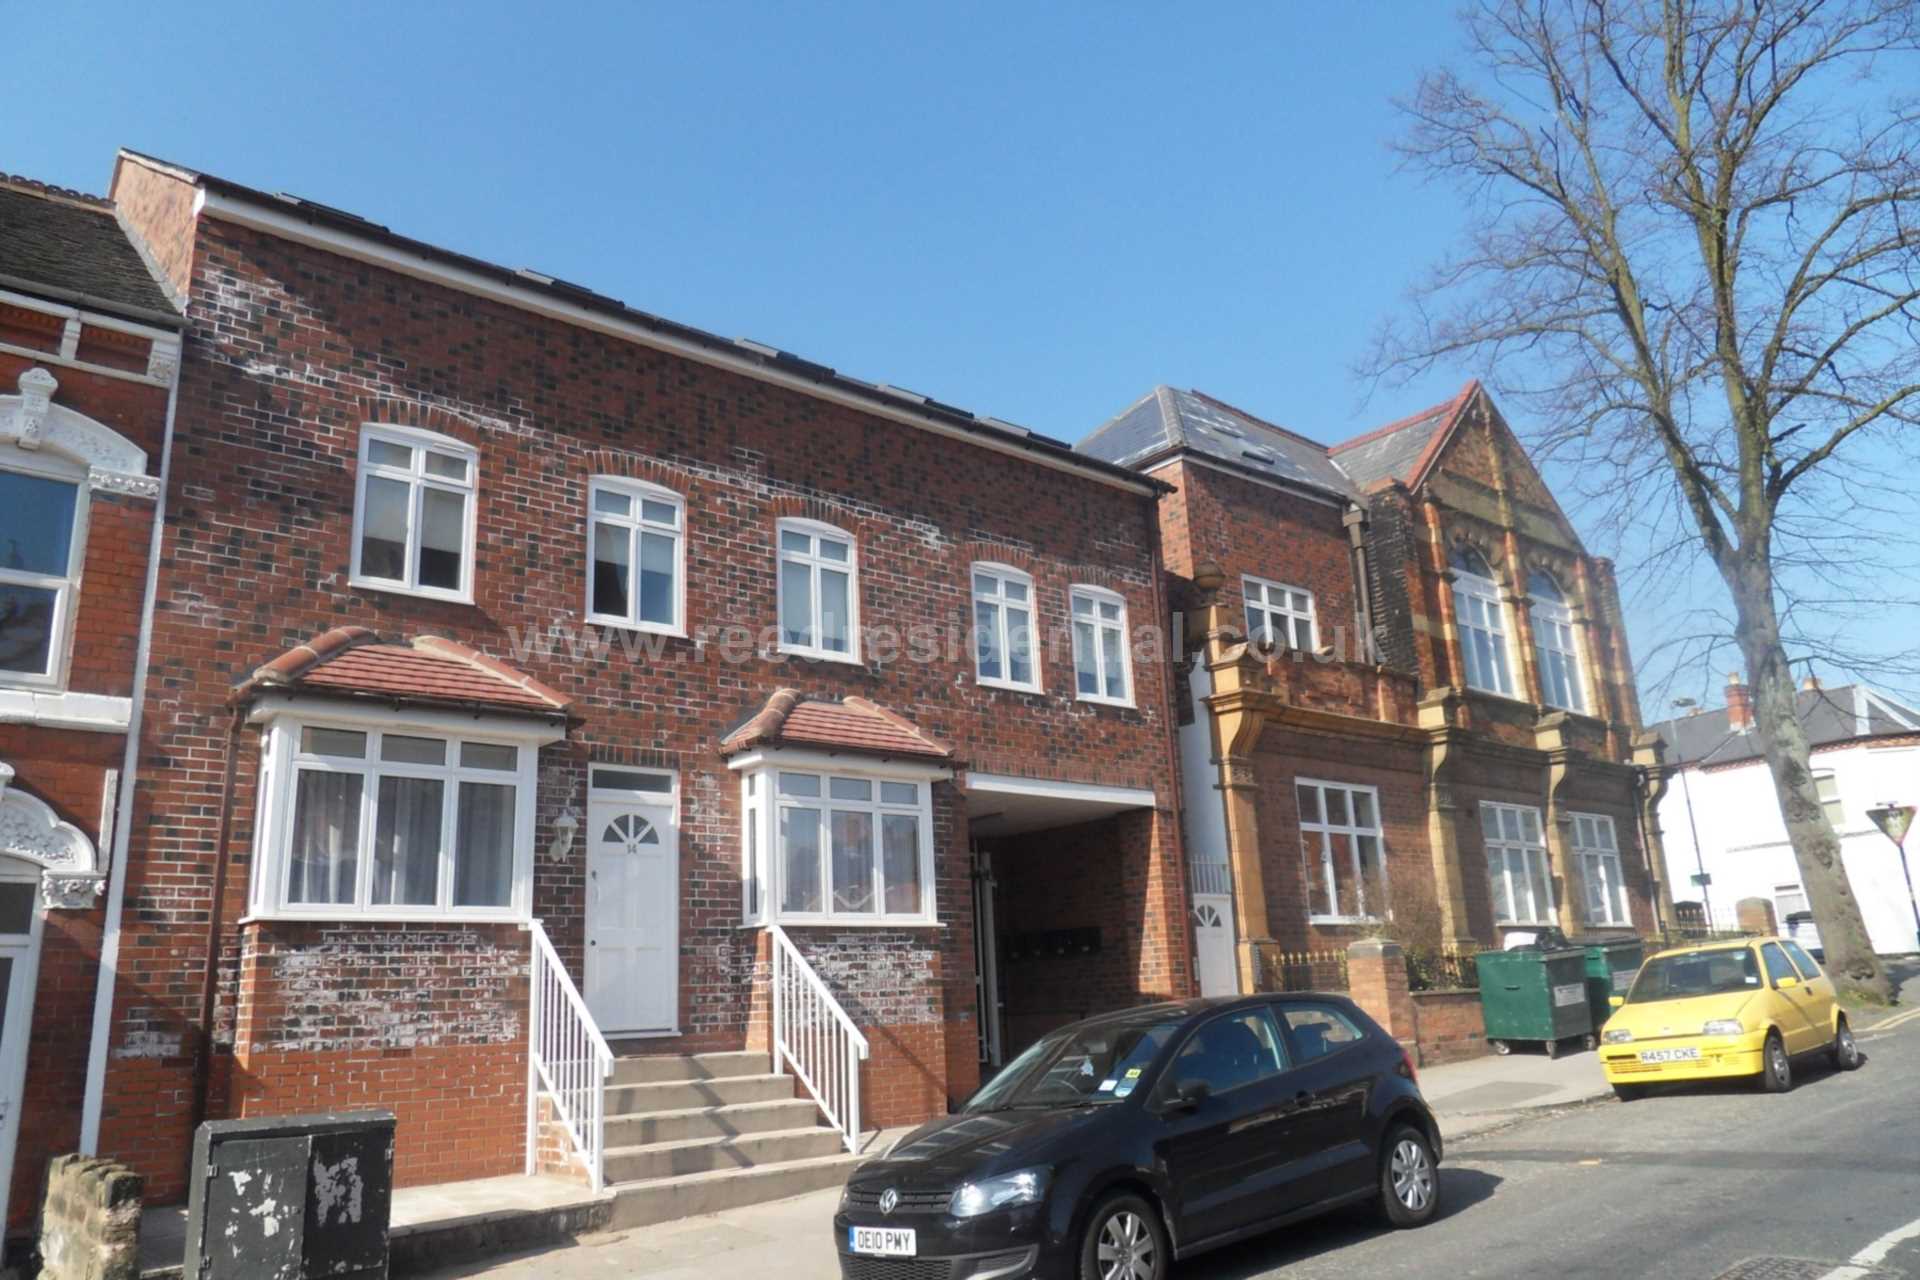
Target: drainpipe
<point x="97" y="1041"/>
<point x="210" y="971"/>
<point x="1171" y="719"/>
<point x="1642" y="779"/>
<point x="1355" y="521"/>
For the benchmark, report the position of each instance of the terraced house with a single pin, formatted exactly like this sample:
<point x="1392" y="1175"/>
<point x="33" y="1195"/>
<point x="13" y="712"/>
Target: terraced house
<point x="539" y="679"/>
<point x="1408" y="706"/>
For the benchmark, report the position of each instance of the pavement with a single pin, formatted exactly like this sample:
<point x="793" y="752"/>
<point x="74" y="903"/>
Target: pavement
<point x="1544" y="1172"/>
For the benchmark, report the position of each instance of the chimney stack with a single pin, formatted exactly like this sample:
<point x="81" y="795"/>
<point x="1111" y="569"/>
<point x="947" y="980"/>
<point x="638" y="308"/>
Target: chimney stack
<point x="1739" y="704"/>
<point x="1811" y="684"/>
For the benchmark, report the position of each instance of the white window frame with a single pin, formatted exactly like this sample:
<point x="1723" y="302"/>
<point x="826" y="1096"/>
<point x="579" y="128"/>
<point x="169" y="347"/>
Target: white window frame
<point x="634" y="525"/>
<point x="1834" y="802"/>
<point x="1597" y="851"/>
<point x="1484" y="591"/>
<point x="815" y="563"/>
<point x="1327" y="830"/>
<point x="1554" y="634"/>
<point x="1098" y="596"/>
<point x="761" y="803"/>
<point x="66" y="600"/>
<point x="1270" y="600"/>
<point x="1528" y="854"/>
<point x="418" y="482"/>
<point x="283" y="761"/>
<point x="1002" y="629"/>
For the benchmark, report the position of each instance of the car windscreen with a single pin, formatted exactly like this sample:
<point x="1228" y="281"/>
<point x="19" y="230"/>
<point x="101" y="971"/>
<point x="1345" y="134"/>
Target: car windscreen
<point x="1089" y="1063"/>
<point x="1697" y="973"/>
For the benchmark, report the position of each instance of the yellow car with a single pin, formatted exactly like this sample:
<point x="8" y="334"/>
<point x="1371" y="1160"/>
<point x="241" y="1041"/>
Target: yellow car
<point x="1722" y="1010"/>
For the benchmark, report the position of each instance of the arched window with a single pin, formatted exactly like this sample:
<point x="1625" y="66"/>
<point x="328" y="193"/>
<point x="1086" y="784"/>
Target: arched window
<point x="1483" y="622"/>
<point x="1555" y="643"/>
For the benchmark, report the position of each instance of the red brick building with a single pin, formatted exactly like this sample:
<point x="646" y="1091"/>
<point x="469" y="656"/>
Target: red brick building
<point x="1407" y="705"/>
<point x="490" y="600"/>
<point x="89" y="342"/>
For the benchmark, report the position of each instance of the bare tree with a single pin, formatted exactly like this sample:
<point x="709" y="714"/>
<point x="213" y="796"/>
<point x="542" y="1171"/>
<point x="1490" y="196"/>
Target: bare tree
<point x="1697" y="229"/>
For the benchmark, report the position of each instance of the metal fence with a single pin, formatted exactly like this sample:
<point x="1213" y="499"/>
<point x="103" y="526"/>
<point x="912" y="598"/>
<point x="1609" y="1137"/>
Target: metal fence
<point x="1302" y="970"/>
<point x="1442" y="971"/>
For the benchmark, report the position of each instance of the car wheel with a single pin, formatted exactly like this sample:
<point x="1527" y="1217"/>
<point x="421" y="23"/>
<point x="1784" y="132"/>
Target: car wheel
<point x="1776" y="1068"/>
<point x="1846" y="1054"/>
<point x="1124" y="1241"/>
<point x="1501" y="1047"/>
<point x="1553" y="1048"/>
<point x="1629" y="1092"/>
<point x="1409" y="1178"/>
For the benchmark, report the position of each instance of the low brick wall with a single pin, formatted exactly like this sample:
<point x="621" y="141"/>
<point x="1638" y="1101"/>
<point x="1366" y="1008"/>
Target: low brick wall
<point x="90" y="1221"/>
<point x="1449" y="1026"/>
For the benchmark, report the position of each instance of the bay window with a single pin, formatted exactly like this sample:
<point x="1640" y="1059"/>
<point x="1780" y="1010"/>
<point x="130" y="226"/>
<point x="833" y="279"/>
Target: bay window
<point x="42" y="541"/>
<point x="1482" y="621"/>
<point x="413" y="516"/>
<point x="1100" y="660"/>
<point x="836" y="847"/>
<point x="1516" y="864"/>
<point x="359" y="820"/>
<point x="818" y="591"/>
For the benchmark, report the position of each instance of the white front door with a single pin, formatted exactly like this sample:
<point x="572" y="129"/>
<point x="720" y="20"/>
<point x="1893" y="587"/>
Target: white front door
<point x="1213" y="941"/>
<point x="20" y="919"/>
<point x="633" y="918"/>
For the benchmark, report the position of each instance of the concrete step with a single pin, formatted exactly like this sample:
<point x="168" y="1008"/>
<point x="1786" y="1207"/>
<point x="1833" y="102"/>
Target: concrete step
<point x="704" y="1155"/>
<point x="639" y="1204"/>
<point x="661" y="1068"/>
<point x="696" y="1123"/>
<point x="681" y="1095"/>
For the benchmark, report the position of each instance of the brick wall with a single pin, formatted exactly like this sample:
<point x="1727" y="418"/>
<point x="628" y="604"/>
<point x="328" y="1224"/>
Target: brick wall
<point x="1451" y="1026"/>
<point x="291" y="349"/>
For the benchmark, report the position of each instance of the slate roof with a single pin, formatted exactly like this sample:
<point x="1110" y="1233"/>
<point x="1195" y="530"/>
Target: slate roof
<point x="67" y="245"/>
<point x="1166" y="420"/>
<point x="352" y="662"/>
<point x="790" y="719"/>
<point x="1399" y="450"/>
<point x="1840" y="714"/>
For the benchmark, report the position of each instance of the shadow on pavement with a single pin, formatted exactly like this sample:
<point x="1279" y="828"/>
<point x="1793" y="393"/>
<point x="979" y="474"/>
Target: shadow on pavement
<point x="1461" y="1190"/>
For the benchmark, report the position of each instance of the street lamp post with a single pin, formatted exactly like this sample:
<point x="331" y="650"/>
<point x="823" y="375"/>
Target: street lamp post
<point x="1893" y="821"/>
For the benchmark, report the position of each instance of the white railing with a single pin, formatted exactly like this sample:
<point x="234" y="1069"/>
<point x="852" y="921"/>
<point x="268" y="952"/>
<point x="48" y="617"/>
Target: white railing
<point x="568" y="1060"/>
<point x="814" y="1036"/>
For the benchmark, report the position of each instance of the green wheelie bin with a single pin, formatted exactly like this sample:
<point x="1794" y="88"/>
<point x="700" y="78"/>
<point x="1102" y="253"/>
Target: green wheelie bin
<point x="1530" y="994"/>
<point x="1612" y="964"/>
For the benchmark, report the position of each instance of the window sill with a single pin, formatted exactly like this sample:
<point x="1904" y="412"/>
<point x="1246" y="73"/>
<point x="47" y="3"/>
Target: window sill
<point x="645" y="628"/>
<point x="1526" y="924"/>
<point x="1343" y="920"/>
<point x="393" y="917"/>
<point x="402" y="589"/>
<point x="1009" y="686"/>
<point x="1125" y="704"/>
<point x="844" y="922"/>
<point x="52" y="708"/>
<point x="818" y="655"/>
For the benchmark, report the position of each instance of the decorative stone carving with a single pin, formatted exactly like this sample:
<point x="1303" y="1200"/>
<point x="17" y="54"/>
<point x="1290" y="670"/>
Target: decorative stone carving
<point x="163" y="358"/>
<point x="36" y="398"/>
<point x="29" y="829"/>
<point x="119" y="482"/>
<point x="32" y="421"/>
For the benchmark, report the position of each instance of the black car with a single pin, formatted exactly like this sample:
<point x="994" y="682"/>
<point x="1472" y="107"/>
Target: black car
<point x="1116" y="1145"/>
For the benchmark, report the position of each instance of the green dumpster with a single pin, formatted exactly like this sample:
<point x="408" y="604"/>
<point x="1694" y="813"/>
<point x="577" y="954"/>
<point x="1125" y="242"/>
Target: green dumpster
<point x="1611" y="966"/>
<point x="1529" y="994"/>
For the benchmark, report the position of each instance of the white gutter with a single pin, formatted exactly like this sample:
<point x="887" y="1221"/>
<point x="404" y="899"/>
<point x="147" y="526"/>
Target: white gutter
<point x="97" y="1043"/>
<point x="247" y="213"/>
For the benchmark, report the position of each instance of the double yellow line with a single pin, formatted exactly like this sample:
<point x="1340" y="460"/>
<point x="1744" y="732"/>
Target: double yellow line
<point x="1895" y="1022"/>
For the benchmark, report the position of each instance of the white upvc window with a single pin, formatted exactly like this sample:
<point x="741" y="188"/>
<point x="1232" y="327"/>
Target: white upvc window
<point x="1482" y="622"/>
<point x="1279" y="614"/>
<point x="1598" y="854"/>
<point x="1003" y="651"/>
<point x="1517" y="873"/>
<point x="394" y="823"/>
<point x="1102" y="667"/>
<point x="1341" y="851"/>
<point x="836" y="846"/>
<point x="819" y="591"/>
<point x="1556" y="644"/>
<point x="414" y="513"/>
<point x="43" y="534"/>
<point x="1826" y="784"/>
<point x="637" y="552"/>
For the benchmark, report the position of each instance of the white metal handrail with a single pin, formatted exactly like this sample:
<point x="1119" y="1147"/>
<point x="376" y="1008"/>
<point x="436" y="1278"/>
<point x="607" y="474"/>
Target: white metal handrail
<point x="567" y="1058"/>
<point x="814" y="1035"/>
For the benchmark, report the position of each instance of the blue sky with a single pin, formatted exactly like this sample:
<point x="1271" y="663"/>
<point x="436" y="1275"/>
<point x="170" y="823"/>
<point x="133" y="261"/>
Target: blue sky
<point x="1034" y="211"/>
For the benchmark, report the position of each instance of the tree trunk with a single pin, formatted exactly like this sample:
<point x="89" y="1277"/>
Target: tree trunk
<point x="1850" y="957"/>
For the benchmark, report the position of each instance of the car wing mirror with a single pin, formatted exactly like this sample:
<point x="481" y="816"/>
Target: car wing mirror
<point x="1787" y="984"/>
<point x="1616" y="1001"/>
<point x="1189" y="1094"/>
